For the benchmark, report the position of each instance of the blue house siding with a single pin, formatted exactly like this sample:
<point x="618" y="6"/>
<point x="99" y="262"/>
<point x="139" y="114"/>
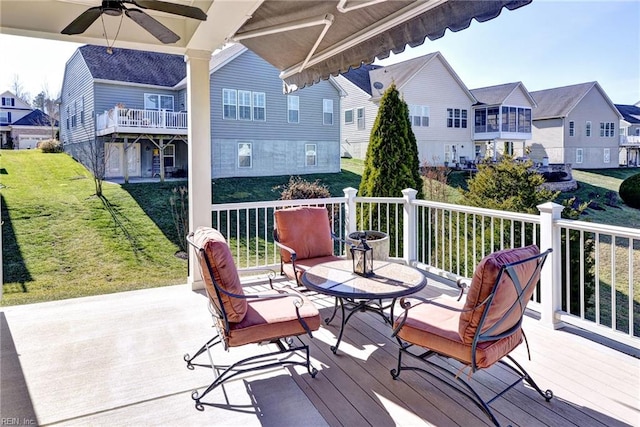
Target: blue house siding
<point x="278" y="147"/>
<point x="109" y="94"/>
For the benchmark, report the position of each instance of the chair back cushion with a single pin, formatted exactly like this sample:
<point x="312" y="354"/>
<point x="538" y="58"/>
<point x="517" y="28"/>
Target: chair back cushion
<point x="305" y="230"/>
<point x="224" y="272"/>
<point x="482" y="284"/>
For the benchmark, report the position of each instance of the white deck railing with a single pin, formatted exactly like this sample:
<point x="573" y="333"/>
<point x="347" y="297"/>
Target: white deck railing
<point x="119" y="117"/>
<point x="450" y="240"/>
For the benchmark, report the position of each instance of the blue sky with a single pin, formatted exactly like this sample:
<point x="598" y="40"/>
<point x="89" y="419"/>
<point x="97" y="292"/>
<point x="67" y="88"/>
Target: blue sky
<point x="549" y="43"/>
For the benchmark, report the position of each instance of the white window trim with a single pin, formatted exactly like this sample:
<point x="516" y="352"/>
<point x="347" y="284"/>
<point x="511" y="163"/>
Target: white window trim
<point x="587" y="128"/>
<point x="249" y="154"/>
<point x="606" y="155"/>
<point x="360" y="120"/>
<point x="311" y="148"/>
<point x="242" y="96"/>
<point x="159" y="98"/>
<point x="350" y="110"/>
<point x="262" y="95"/>
<point x="327" y="108"/>
<point x="171" y="150"/>
<point x="235" y="104"/>
<point x="291" y="98"/>
<point x="579" y="156"/>
<point x="572" y="128"/>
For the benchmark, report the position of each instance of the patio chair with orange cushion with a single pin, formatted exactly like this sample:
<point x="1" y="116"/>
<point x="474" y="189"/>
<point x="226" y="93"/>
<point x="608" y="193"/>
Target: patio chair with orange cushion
<point x="478" y="331"/>
<point x="279" y="317"/>
<point x="304" y="237"/>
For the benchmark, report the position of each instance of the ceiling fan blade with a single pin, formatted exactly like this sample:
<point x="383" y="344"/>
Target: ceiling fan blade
<point x="158" y="30"/>
<point x="84" y="21"/>
<point x="174" y="8"/>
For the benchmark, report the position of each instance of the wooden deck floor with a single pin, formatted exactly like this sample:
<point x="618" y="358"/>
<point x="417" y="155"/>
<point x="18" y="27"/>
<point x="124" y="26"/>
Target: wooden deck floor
<point x="117" y="359"/>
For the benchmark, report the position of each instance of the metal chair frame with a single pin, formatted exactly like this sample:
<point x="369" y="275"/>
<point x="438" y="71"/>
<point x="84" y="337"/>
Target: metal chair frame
<point x="459" y="382"/>
<point x="286" y="345"/>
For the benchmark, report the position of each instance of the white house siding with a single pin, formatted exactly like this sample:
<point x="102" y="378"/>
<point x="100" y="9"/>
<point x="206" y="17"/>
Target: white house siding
<point x="434" y="86"/>
<point x="354" y="141"/>
<point x="595" y="108"/>
<point x="277" y="146"/>
<point x="518" y="99"/>
<point x="547" y="140"/>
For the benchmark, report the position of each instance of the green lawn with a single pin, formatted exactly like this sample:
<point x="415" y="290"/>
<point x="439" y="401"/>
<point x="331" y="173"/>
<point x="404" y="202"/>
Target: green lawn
<point x="61" y="241"/>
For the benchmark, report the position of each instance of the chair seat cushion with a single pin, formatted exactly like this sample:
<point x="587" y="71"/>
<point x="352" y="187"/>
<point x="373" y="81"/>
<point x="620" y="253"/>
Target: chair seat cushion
<point x="305" y="264"/>
<point x="436" y="328"/>
<point x="224" y="269"/>
<point x="268" y="319"/>
<point x="305" y="230"/>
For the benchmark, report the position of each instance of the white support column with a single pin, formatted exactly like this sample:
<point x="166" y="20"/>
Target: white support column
<point x="350" y="210"/>
<point x="409" y="229"/>
<point x="199" y="132"/>
<point x="550" y="277"/>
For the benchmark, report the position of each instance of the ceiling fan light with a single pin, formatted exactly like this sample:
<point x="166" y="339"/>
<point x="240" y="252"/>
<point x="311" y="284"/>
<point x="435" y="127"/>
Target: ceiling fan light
<point x="112" y="11"/>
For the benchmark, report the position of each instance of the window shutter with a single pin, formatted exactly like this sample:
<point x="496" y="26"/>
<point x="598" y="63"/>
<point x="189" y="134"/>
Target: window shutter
<point x="9" y="116"/>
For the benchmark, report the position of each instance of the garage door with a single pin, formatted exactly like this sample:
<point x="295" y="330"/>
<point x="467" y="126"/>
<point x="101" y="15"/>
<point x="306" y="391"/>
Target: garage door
<point x="30" y="142"/>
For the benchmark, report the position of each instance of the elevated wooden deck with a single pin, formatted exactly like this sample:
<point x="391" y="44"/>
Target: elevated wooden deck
<point x="117" y="359"/>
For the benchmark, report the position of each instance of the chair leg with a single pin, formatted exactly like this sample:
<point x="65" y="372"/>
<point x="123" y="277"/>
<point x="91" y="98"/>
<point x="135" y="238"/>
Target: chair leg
<point x="255" y="363"/>
<point x="460" y="384"/>
<point x="189" y="359"/>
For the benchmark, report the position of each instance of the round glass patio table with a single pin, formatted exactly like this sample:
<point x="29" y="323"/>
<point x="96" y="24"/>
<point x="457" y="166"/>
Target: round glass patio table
<point x="353" y="293"/>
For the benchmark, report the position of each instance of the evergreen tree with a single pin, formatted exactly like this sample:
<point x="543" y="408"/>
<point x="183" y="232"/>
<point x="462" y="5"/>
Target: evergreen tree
<point x="392" y="161"/>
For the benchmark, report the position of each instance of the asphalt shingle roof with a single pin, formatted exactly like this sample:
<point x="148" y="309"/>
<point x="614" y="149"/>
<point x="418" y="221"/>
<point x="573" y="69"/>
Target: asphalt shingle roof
<point x="631" y="113"/>
<point x="360" y="76"/>
<point x="35" y="118"/>
<point x="134" y="66"/>
<point x="558" y="102"/>
<point x="494" y="95"/>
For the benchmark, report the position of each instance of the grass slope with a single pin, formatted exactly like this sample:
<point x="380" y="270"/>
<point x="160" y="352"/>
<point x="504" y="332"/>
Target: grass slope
<point x="60" y="241"/>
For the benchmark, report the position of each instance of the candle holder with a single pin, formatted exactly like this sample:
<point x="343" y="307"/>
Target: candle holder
<point x="362" y="256"/>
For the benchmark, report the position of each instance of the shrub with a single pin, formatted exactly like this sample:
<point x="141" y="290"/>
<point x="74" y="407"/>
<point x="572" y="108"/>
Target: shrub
<point x="50" y="146"/>
<point x="630" y="191"/>
<point x="298" y="188"/>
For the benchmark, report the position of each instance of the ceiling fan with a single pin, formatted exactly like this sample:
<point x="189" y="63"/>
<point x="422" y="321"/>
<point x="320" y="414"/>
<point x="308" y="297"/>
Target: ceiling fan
<point x="117" y="7"/>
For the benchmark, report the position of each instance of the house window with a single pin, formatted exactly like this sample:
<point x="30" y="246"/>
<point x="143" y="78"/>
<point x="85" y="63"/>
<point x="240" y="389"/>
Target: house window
<point x="508" y="148"/>
<point x="607" y="129"/>
<point x="360" y="118"/>
<point x="74" y="109"/>
<point x="259" y="106"/>
<point x="480" y="120"/>
<point x="587" y="129"/>
<point x="170" y="156"/>
<point x="244" y="105"/>
<point x="572" y="129"/>
<point x="81" y="109"/>
<point x="456" y="118"/>
<point x="68" y="115"/>
<point x="606" y="156"/>
<point x="229" y="104"/>
<point x="8" y="101"/>
<point x="154" y="101"/>
<point x="579" y="155"/>
<point x="524" y="120"/>
<point x="293" y="109"/>
<point x="492" y="119"/>
<point x="5" y="117"/>
<point x="310" y="155"/>
<point x="348" y="117"/>
<point x="447" y="153"/>
<point x="244" y="155"/>
<point x="419" y="115"/>
<point x="327" y="111"/>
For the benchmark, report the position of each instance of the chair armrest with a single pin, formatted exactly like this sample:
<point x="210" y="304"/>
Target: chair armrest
<point x="286" y="248"/>
<point x="463" y="283"/>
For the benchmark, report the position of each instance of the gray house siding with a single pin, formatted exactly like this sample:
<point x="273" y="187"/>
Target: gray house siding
<point x="278" y="147"/>
<point x="77" y="89"/>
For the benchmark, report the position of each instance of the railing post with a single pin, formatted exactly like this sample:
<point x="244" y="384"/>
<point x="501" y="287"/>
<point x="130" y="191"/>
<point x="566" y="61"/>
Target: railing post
<point x="550" y="276"/>
<point x="409" y="228"/>
<point x="350" y="210"/>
